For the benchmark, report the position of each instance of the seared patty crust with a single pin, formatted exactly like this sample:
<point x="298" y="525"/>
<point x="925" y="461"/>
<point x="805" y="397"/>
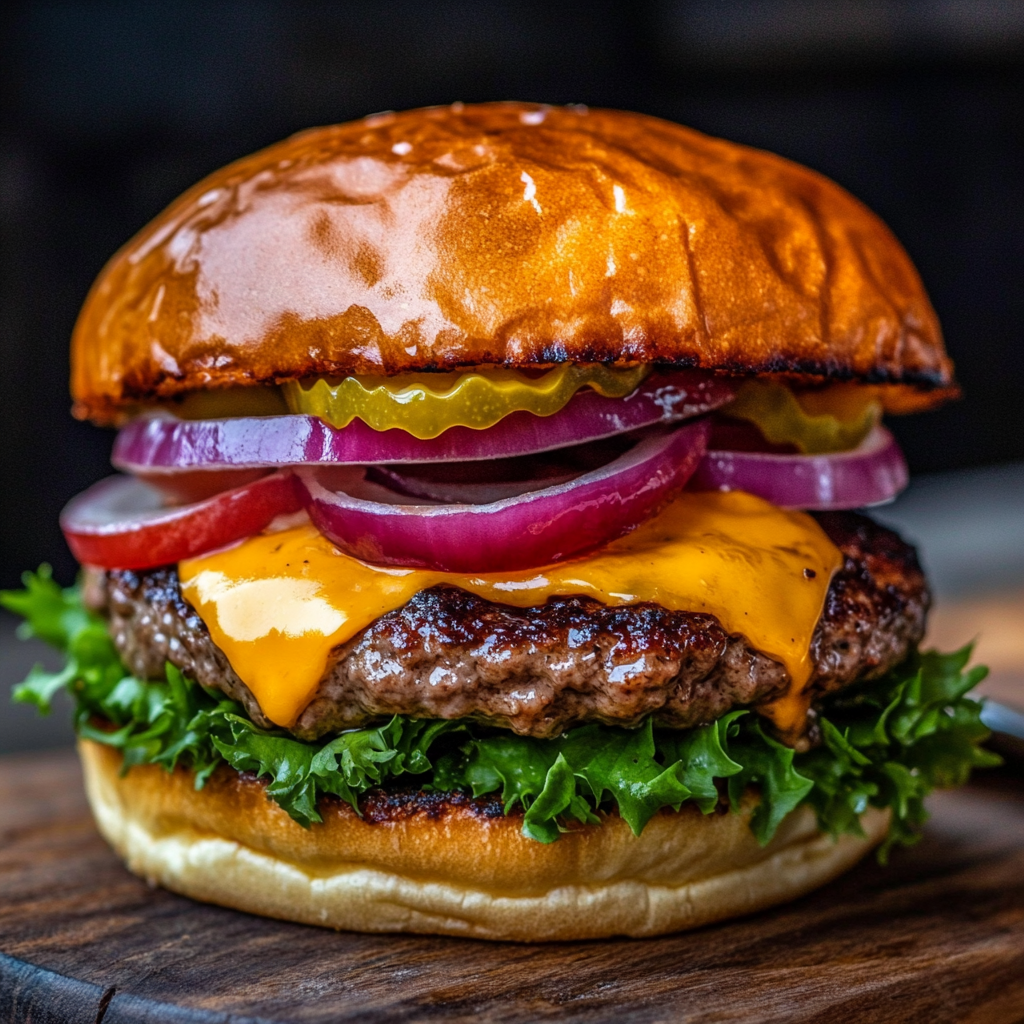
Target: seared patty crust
<point x="538" y="671"/>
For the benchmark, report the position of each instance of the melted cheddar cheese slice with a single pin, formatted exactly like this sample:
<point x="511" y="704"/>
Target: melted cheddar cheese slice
<point x="279" y="603"/>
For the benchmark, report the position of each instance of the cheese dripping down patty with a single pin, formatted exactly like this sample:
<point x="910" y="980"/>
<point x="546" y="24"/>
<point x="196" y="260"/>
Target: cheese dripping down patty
<point x="278" y="604"/>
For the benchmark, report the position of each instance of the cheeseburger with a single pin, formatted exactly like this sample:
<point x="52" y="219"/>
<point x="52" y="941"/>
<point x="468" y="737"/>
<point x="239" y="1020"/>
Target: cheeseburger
<point x="483" y="559"/>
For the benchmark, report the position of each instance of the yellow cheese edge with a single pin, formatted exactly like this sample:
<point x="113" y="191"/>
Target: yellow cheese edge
<point x="278" y="604"/>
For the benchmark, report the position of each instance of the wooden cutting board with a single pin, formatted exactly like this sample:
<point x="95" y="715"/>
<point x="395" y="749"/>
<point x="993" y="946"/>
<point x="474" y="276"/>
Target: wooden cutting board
<point x="937" y="936"/>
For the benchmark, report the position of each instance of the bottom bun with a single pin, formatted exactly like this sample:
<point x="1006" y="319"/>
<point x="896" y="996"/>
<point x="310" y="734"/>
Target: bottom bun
<point x="452" y="865"/>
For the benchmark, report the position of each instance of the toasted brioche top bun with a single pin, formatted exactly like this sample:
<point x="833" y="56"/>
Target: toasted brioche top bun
<point x="453" y="870"/>
<point x="510" y="235"/>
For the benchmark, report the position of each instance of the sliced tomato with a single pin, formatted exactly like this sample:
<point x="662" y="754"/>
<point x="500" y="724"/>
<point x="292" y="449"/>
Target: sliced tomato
<point x="124" y="523"/>
<point x="198" y="484"/>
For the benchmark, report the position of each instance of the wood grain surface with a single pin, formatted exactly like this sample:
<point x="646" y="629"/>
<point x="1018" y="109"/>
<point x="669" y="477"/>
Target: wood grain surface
<point x="937" y="936"/>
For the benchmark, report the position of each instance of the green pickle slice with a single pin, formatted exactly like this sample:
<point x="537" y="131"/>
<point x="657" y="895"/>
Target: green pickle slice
<point x="778" y="413"/>
<point x="427" y="404"/>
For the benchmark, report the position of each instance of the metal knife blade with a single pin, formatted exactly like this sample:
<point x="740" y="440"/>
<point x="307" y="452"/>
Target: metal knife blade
<point x="1007" y="725"/>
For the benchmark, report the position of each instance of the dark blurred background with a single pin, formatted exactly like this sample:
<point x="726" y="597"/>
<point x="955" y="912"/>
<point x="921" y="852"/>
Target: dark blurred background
<point x="109" y="110"/>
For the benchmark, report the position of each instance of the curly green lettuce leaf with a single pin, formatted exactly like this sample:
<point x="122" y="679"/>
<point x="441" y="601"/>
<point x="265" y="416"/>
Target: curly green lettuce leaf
<point x="889" y="743"/>
<point x="572" y="775"/>
<point x="885" y="744"/>
<point x="175" y="721"/>
<point x="773" y="769"/>
<point x="58" y="617"/>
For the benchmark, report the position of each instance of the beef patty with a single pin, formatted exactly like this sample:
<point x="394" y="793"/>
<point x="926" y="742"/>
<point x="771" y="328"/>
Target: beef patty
<point x="538" y="671"/>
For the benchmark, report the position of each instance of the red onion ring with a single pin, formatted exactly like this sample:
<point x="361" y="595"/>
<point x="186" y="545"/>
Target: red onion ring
<point x="166" y="444"/>
<point x="482" y="483"/>
<point x="873" y="472"/>
<point x="123" y="523"/>
<point x="193" y="485"/>
<point x="458" y="493"/>
<point x="533" y="529"/>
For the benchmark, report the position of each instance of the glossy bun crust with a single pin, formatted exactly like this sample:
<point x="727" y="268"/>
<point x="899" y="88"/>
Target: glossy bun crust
<point x="452" y="867"/>
<point x="505" y="234"/>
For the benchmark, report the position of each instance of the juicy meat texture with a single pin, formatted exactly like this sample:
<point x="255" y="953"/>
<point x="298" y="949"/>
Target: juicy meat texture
<point x="539" y="671"/>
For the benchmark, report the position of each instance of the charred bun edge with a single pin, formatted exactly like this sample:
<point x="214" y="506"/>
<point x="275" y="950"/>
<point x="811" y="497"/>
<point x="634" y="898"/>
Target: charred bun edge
<point x="913" y="391"/>
<point x="453" y="867"/>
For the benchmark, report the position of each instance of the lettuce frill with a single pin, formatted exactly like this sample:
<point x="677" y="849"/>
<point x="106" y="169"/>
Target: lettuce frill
<point x="885" y="743"/>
